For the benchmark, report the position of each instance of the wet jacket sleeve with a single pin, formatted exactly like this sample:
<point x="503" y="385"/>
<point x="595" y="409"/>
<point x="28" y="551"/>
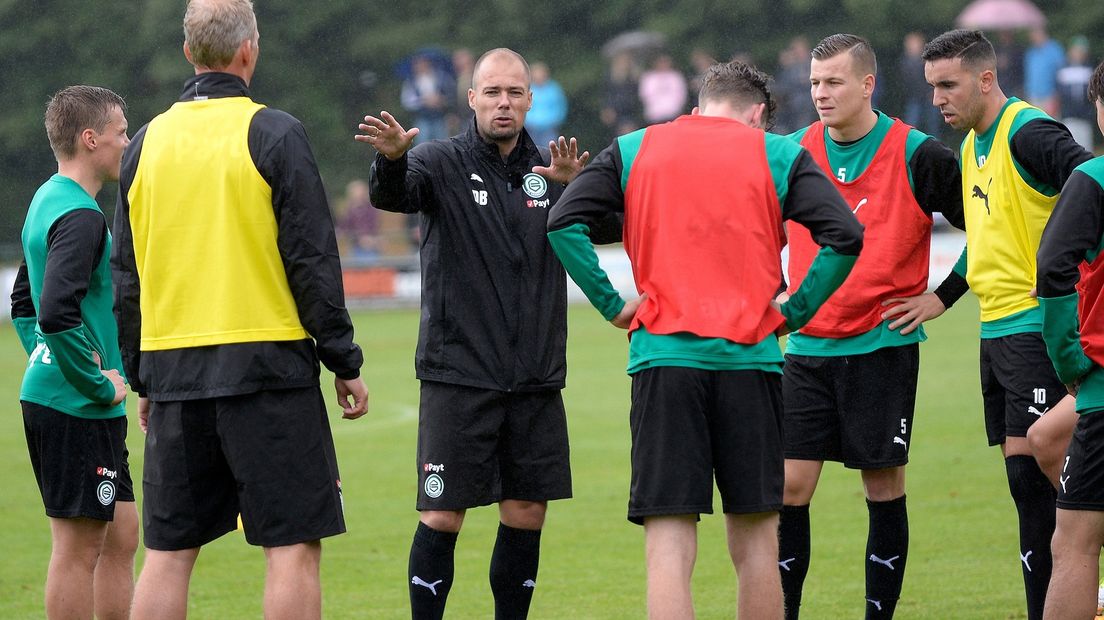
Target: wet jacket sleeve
<point x="124" y="270"/>
<point x="305" y="237"/>
<point x="403" y="185"/>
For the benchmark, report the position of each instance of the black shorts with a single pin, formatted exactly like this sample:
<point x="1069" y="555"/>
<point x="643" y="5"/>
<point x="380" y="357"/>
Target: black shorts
<point x="1081" y="484"/>
<point x="689" y="425"/>
<point x="1018" y="384"/>
<point x="268" y="455"/>
<point x="853" y="409"/>
<point x="478" y="447"/>
<point x="80" y="464"/>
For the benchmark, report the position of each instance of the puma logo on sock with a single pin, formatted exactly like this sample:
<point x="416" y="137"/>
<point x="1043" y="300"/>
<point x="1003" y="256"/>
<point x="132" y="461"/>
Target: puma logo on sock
<point x="889" y="562"/>
<point x="432" y="587"/>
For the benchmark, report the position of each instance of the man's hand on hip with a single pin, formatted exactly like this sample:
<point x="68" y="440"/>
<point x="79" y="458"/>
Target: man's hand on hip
<point x="116" y="380"/>
<point x="625" y="317"/>
<point x="911" y="312"/>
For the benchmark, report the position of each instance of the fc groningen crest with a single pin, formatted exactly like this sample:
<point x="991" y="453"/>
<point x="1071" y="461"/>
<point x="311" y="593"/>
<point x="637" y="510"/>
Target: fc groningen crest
<point x="534" y="185"/>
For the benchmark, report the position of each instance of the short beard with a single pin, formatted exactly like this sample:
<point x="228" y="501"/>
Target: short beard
<point x="496" y="136"/>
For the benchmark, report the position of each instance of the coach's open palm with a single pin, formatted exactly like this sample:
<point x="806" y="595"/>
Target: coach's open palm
<point x="358" y="390"/>
<point x="566" y="162"/>
<point x="386" y="135"/>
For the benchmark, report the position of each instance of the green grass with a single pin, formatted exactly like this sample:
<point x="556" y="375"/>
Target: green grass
<point x="963" y="561"/>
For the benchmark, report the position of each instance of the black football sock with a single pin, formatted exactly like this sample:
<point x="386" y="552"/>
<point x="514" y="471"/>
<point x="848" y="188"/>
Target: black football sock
<point x="793" y="555"/>
<point x="430" y="572"/>
<point x="514" y="571"/>
<point x="886" y="551"/>
<point x="1034" y="497"/>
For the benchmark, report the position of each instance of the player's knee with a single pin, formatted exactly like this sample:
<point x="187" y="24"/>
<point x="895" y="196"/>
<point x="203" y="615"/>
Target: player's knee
<point x="1016" y="446"/>
<point x="797" y="490"/>
<point x="178" y="562"/>
<point x="443" y="520"/>
<point x="800" y="482"/>
<point x="122" y="536"/>
<point x="122" y="546"/>
<point x="76" y="554"/>
<point x="1078" y="532"/>
<point x="883" y="485"/>
<point x="753" y="537"/>
<point x="523" y="515"/>
<point x="300" y="556"/>
<point x="1038" y="440"/>
<point x="78" y="541"/>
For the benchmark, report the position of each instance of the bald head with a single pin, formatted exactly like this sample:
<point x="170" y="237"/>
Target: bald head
<point x="500" y="56"/>
<point x="215" y="29"/>
<point x="500" y="97"/>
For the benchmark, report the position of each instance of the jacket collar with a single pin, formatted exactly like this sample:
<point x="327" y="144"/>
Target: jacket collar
<point x="214" y="85"/>
<point x="523" y="152"/>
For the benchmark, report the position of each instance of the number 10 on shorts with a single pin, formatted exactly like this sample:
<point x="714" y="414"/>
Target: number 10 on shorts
<point x="1040" y="396"/>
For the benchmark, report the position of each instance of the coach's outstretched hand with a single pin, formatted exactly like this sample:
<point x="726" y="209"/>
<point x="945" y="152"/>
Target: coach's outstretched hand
<point x="913" y="311"/>
<point x="359" y="392"/>
<point x="566" y="162"/>
<point x="386" y="135"/>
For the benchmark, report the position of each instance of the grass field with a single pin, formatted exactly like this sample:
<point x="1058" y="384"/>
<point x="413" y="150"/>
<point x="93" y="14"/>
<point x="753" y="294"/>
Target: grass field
<point x="963" y="562"/>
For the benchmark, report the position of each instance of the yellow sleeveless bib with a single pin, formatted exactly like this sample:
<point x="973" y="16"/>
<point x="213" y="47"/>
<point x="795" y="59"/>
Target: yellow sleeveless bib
<point x="1004" y="221"/>
<point x="205" y="233"/>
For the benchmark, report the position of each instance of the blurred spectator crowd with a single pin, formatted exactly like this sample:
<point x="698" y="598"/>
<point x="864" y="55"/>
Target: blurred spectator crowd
<point x="645" y="84"/>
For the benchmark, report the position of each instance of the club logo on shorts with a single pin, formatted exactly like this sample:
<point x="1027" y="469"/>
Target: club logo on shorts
<point x="434" y="486"/>
<point x="106" y="492"/>
<point x="534" y="185"/>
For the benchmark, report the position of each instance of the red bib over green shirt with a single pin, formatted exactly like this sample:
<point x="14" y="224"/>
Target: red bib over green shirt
<point x="896" y="242"/>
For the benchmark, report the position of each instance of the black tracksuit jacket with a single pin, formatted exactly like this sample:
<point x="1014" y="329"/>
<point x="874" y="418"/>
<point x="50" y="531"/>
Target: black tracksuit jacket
<point x="494" y="295"/>
<point x="279" y="148"/>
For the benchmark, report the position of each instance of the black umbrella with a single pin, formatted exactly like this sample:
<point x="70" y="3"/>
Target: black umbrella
<point x="437" y="56"/>
<point x="634" y="42"/>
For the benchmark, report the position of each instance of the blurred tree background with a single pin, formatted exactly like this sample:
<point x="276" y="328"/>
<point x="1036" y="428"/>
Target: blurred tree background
<point x="330" y="62"/>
